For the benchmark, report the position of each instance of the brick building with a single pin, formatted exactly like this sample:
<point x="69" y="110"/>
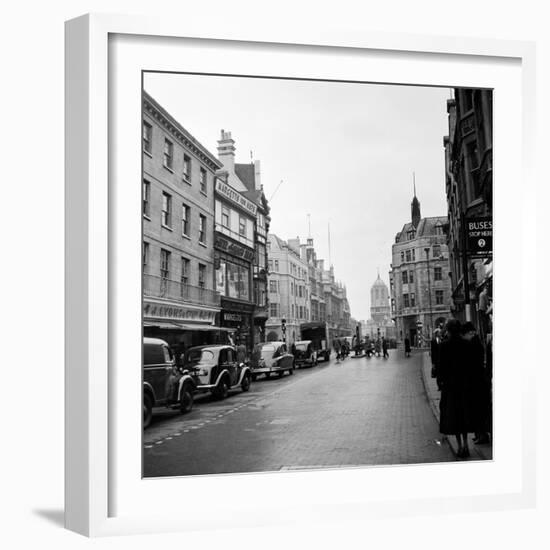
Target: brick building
<point x="420" y="285"/>
<point x="179" y="298"/>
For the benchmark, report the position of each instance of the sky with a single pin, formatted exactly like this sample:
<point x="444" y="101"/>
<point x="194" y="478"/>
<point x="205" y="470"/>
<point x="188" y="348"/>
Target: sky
<point x="345" y="153"/>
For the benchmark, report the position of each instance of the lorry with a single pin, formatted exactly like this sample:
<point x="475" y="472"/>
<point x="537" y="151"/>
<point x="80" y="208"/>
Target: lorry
<point x="318" y="333"/>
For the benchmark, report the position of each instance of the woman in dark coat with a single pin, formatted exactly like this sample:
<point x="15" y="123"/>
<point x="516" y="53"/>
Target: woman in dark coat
<point x="407" y="347"/>
<point x="458" y="402"/>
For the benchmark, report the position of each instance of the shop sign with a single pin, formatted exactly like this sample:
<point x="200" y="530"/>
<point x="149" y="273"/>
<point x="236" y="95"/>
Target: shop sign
<point x="234" y="196"/>
<point x="171" y="312"/>
<point x="479" y="236"/>
<point x="235" y="249"/>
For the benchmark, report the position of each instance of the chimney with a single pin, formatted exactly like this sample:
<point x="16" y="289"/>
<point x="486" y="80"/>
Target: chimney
<point x="226" y="151"/>
<point x="257" y="180"/>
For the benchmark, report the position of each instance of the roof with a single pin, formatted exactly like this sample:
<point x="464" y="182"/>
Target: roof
<point x="426" y="228"/>
<point x="245" y="172"/>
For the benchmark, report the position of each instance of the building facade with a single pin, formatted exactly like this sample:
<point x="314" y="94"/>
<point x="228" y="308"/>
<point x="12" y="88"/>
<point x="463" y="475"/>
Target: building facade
<point x="469" y="189"/>
<point x="245" y="179"/>
<point x="420" y="285"/>
<point x="289" y="290"/>
<point x="178" y="222"/>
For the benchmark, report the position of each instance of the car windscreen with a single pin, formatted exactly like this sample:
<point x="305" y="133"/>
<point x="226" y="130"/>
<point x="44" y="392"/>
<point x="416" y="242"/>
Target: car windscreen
<point x="199" y="356"/>
<point x="302" y="346"/>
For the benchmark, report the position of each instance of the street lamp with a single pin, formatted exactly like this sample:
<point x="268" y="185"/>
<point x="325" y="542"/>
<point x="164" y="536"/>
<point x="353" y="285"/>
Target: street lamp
<point x="427" y="249"/>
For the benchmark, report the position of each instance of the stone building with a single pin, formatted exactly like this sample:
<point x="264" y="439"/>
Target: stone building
<point x="469" y="189"/>
<point x="179" y="298"/>
<point x="289" y="290"/>
<point x="420" y="285"/>
<point x="380" y="323"/>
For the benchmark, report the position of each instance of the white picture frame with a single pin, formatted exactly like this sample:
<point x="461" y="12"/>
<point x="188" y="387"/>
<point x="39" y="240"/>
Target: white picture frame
<point x="105" y="53"/>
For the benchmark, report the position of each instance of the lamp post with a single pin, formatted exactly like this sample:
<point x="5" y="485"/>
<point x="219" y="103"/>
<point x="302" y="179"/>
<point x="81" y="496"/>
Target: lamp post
<point x="427" y="249"/>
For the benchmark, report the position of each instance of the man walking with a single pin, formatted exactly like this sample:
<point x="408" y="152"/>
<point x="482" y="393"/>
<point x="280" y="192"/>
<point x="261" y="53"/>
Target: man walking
<point x="384" y="347"/>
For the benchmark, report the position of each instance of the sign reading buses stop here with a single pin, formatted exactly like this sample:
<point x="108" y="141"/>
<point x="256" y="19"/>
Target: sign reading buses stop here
<point x="479" y="234"/>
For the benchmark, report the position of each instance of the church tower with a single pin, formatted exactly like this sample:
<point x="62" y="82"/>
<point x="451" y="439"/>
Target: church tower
<point x="379" y="300"/>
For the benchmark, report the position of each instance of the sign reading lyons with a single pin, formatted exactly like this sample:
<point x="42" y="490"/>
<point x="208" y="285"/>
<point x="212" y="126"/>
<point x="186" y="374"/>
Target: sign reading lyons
<point x="234" y="196"/>
<point x="479" y="233"/>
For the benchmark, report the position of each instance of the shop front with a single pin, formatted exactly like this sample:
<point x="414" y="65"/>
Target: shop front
<point x="182" y="325"/>
<point x="238" y="317"/>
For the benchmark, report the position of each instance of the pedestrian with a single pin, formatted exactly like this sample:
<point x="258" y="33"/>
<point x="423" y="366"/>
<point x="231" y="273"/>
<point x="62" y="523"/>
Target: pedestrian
<point x="241" y="353"/>
<point x="435" y="350"/>
<point x="337" y="348"/>
<point x="366" y="345"/>
<point x="480" y="383"/>
<point x="457" y="405"/>
<point x="407" y="347"/>
<point x="385" y="347"/>
<point x="377" y="347"/>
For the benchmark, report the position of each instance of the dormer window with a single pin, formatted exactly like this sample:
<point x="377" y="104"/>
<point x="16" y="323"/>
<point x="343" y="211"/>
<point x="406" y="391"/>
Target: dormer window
<point x="410" y="234"/>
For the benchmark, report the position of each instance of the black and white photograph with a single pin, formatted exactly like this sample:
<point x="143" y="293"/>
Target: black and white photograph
<point x="317" y="274"/>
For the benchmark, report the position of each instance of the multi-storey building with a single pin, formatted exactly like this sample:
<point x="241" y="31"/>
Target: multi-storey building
<point x="317" y="295"/>
<point x="245" y="184"/>
<point x="469" y="188"/>
<point x="179" y="299"/>
<point x="419" y="280"/>
<point x="289" y="291"/>
<point x="337" y="311"/>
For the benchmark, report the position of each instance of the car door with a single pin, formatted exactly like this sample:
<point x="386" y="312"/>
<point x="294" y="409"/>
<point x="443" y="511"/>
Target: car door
<point x="232" y="366"/>
<point x="156" y="369"/>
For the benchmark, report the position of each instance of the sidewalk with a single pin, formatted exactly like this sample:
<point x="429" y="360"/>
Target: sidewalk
<point x="478" y="452"/>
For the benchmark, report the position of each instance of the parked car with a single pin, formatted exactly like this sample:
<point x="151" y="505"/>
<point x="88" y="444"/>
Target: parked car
<point x="215" y="369"/>
<point x="164" y="385"/>
<point x="318" y="333"/>
<point x="270" y="358"/>
<point x="304" y="354"/>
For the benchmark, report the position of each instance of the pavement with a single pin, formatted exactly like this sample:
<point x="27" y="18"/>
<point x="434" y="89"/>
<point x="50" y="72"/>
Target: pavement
<point x="478" y="452"/>
<point x="361" y="411"/>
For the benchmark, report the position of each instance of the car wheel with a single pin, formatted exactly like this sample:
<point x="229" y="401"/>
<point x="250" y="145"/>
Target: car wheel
<point x="186" y="399"/>
<point x="245" y="385"/>
<point x="223" y="389"/>
<point x="147" y="410"/>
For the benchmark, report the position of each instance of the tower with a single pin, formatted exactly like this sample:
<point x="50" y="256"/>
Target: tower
<point x="415" y="208"/>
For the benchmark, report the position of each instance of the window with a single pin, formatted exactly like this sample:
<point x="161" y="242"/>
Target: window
<point x="270" y="265"/>
<point x="184" y="271"/>
<point x="413" y="255"/>
<point x="147" y="137"/>
<point x="412" y="299"/>
<point x="405" y="276"/>
<point x="438" y="229"/>
<point x="402" y="256"/>
<point x="411" y="277"/>
<point x="202" y="275"/>
<point x="146" y="197"/>
<point x="202" y="229"/>
<point x="168" y="153"/>
<point x="410" y="235"/>
<point x="187" y="168"/>
<point x="276" y="265"/>
<point x="408" y="255"/>
<point x="436" y="250"/>
<point x="225" y="217"/>
<point x="273" y="286"/>
<point x="145" y="254"/>
<point x="185" y="220"/>
<point x="405" y="300"/>
<point x="438" y="297"/>
<point x="164" y="269"/>
<point x="273" y="310"/>
<point x="238" y="281"/>
<point x="203" y="181"/>
<point x="242" y="226"/>
<point x="468" y="100"/>
<point x="437" y="274"/>
<point x="292" y="311"/>
<point x="166" y="215"/>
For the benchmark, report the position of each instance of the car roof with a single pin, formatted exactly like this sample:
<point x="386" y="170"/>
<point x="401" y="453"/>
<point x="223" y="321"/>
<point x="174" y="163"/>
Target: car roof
<point x="212" y="347"/>
<point x="158" y="341"/>
<point x="303" y="342"/>
<point x="270" y="343"/>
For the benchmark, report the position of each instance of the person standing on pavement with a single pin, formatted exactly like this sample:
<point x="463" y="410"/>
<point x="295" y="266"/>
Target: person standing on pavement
<point x="407" y="347"/>
<point x="457" y="405"/>
<point x="337" y="348"/>
<point x="435" y="350"/>
<point x="241" y="353"/>
<point x="480" y="385"/>
<point x="384" y="347"/>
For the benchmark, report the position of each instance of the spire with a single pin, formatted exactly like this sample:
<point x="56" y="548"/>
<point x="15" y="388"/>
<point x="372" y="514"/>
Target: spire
<point x="415" y="207"/>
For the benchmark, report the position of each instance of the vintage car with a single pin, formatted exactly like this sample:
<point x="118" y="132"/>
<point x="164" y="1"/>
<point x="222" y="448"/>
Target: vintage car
<point x="215" y="369"/>
<point x="270" y="358"/>
<point x="164" y="385"/>
<point x="304" y="354"/>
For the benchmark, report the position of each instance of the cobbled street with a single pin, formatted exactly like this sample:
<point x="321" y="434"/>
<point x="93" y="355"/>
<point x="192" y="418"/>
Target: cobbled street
<point x="357" y="412"/>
